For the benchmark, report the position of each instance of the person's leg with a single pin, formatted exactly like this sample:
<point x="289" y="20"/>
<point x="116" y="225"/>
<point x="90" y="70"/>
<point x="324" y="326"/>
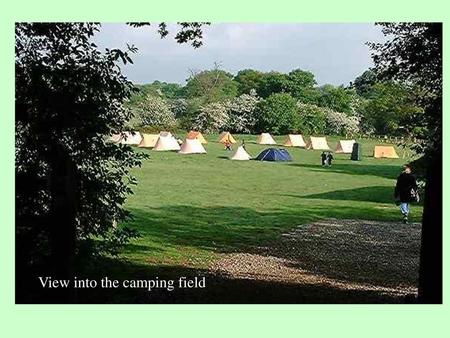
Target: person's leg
<point x="404" y="208"/>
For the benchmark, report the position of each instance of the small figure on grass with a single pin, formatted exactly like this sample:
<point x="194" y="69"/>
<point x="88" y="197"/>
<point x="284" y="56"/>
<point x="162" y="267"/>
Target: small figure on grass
<point x="329" y="159"/>
<point x="228" y="145"/>
<point x="323" y="158"/>
<point x="406" y="191"/>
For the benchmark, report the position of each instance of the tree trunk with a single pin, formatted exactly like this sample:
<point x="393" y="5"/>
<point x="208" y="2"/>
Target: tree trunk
<point x="430" y="273"/>
<point x="63" y="223"/>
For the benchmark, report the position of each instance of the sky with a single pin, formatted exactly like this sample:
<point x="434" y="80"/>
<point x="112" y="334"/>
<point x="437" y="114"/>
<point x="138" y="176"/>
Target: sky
<point x="335" y="53"/>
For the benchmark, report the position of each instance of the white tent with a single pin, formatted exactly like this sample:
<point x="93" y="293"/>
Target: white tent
<point x="131" y="137"/>
<point x="345" y="146"/>
<point x="318" y="143"/>
<point x="166" y="143"/>
<point x="265" y="138"/>
<point x="192" y="146"/>
<point x="240" y="155"/>
<point x="294" y="140"/>
<point x="165" y="133"/>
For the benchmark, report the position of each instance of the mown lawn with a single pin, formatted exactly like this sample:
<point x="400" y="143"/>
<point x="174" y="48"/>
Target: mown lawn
<point x="205" y="215"/>
<point x="189" y="208"/>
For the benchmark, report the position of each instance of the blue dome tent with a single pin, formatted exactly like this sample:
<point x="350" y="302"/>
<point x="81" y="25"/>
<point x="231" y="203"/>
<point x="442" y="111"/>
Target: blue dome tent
<point x="272" y="154"/>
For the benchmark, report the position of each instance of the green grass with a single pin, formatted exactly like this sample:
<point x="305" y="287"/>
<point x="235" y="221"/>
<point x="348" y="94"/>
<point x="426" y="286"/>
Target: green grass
<point x="190" y="207"/>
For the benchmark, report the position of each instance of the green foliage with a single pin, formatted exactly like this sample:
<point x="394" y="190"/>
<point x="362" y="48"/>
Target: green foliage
<point x="214" y="85"/>
<point x="272" y="83"/>
<point x="156" y="88"/>
<point x="248" y="80"/>
<point x="363" y="83"/>
<point x="312" y="119"/>
<point x="413" y="54"/>
<point x="392" y="109"/>
<point x="336" y="98"/>
<point x="69" y="98"/>
<point x="300" y="84"/>
<point x="278" y="114"/>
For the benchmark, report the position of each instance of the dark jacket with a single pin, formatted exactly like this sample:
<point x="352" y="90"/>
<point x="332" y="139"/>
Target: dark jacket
<point x="405" y="183"/>
<point x="329" y="158"/>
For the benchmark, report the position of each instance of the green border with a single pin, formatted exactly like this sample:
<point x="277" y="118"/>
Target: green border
<point x="200" y="320"/>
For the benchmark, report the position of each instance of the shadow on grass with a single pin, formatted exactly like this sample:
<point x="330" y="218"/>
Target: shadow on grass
<point x="385" y="171"/>
<point x="219" y="289"/>
<point x="382" y="252"/>
<point x="229" y="229"/>
<point x="376" y="194"/>
<point x="382" y="255"/>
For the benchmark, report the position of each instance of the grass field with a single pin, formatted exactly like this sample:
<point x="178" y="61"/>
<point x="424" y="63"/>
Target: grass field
<point x="192" y="209"/>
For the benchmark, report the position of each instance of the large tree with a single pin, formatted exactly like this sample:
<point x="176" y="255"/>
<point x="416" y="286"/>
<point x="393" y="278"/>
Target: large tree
<point x="338" y="98"/>
<point x="248" y="80"/>
<point x="272" y="83"/>
<point x="211" y="85"/>
<point x="413" y="53"/>
<point x="391" y="109"/>
<point x="278" y="114"/>
<point x="71" y="182"/>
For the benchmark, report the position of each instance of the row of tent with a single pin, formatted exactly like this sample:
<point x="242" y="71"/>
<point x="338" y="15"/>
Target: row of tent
<point x="164" y="141"/>
<point x="273" y="154"/>
<point x="315" y="143"/>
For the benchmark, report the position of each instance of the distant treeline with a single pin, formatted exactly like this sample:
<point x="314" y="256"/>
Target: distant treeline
<point x="255" y="101"/>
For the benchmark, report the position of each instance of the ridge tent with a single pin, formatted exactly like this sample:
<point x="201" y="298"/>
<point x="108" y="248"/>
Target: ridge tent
<point x="265" y="138"/>
<point x="196" y="135"/>
<point x="166" y="143"/>
<point x="294" y="140"/>
<point x="240" y="154"/>
<point x="384" y="152"/>
<point x="272" y="154"/>
<point x="318" y="143"/>
<point x="165" y="133"/>
<point x="192" y="146"/>
<point x="345" y="146"/>
<point x="226" y="136"/>
<point x="148" y="140"/>
<point x="131" y="137"/>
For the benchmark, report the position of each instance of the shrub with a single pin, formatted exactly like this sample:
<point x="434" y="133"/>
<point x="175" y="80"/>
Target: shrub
<point x="340" y="123"/>
<point x="212" y="117"/>
<point x="278" y="114"/>
<point x="242" y="113"/>
<point x="155" y="111"/>
<point x="312" y="119"/>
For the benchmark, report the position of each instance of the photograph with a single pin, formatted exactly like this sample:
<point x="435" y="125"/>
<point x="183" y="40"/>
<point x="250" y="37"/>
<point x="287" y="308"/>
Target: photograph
<point x="205" y="162"/>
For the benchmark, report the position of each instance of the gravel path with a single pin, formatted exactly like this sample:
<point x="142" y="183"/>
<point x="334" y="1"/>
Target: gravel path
<point x="343" y="254"/>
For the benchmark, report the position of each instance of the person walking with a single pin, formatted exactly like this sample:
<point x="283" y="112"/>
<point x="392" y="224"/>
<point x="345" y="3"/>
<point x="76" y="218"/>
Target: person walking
<point x="329" y="158"/>
<point x="406" y="191"/>
<point x="323" y="157"/>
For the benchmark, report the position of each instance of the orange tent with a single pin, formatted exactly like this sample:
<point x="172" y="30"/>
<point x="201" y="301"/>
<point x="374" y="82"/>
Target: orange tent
<point x="196" y="135"/>
<point x="226" y="136"/>
<point x="384" y="152"/>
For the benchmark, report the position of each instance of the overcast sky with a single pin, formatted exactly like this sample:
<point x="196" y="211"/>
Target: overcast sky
<point x="335" y="53"/>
